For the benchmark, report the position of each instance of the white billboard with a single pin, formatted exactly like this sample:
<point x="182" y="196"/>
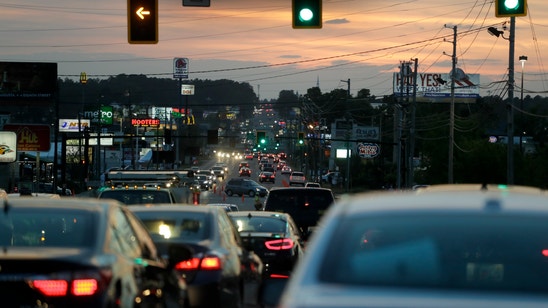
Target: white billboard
<point x="73" y="125"/>
<point x="436" y="87"/>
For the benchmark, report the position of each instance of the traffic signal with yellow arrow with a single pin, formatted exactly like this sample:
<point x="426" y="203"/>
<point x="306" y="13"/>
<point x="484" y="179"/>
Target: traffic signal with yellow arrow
<point x="142" y="21"/>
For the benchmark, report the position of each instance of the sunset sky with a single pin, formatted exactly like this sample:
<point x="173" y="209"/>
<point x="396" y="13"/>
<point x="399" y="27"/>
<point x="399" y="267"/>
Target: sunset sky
<point x="252" y="41"/>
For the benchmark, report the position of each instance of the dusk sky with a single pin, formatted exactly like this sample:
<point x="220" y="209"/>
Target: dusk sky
<point x="252" y="41"/>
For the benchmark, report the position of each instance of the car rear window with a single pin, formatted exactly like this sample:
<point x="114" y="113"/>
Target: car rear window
<point x="459" y="252"/>
<point x="305" y="206"/>
<point x="173" y="226"/>
<point x="49" y="228"/>
<point x="137" y="196"/>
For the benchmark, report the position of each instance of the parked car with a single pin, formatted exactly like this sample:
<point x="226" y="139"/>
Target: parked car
<point x="220" y="266"/>
<point x="73" y="252"/>
<point x="297" y="177"/>
<point x="241" y="187"/>
<point x="273" y="236"/>
<point x="267" y="176"/>
<point x="448" y="246"/>
<point x="305" y="205"/>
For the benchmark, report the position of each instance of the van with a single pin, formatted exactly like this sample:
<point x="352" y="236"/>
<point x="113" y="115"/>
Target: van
<point x="306" y="205"/>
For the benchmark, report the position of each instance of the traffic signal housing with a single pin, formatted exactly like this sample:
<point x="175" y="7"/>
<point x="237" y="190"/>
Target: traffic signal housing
<point x="142" y="21"/>
<point x="510" y="8"/>
<point x="300" y="138"/>
<point x="261" y="138"/>
<point x="307" y="14"/>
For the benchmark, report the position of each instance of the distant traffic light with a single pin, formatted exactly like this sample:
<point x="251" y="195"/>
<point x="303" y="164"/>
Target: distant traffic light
<point x="261" y="138"/>
<point x="142" y="21"/>
<point x="307" y="14"/>
<point x="510" y="8"/>
<point x="300" y="138"/>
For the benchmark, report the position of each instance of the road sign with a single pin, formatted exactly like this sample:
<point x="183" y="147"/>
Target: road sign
<point x="187" y="89"/>
<point x="180" y="68"/>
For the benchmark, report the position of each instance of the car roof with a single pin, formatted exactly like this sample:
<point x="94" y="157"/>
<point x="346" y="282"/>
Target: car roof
<point x="300" y="188"/>
<point x="167" y="207"/>
<point x="259" y="214"/>
<point x="91" y="204"/>
<point x="444" y="198"/>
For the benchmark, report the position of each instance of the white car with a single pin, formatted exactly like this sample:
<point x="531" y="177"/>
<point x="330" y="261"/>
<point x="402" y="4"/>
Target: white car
<point x="447" y="246"/>
<point x="297" y="177"/>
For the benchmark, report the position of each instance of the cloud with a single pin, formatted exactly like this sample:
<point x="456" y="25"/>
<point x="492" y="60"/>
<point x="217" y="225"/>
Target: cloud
<point x="290" y="56"/>
<point x="337" y="21"/>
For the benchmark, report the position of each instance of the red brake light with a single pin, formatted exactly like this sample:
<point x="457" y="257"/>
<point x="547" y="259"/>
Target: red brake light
<point x="280" y="244"/>
<point x="192" y="264"/>
<point x="51" y="287"/>
<point x="207" y="263"/>
<point x="545" y="252"/>
<point x="279" y="276"/>
<point x="81" y="287"/>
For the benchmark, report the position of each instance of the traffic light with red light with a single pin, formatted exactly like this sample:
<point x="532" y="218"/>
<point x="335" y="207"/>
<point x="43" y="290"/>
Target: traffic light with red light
<point x="307" y="14"/>
<point x="142" y="21"/>
<point x="510" y="8"/>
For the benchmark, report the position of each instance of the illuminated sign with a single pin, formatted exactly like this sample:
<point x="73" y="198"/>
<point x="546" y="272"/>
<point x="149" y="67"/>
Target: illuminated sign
<point x="31" y="137"/>
<point x="71" y="125"/>
<point x="8" y="147"/>
<point x="145" y="122"/>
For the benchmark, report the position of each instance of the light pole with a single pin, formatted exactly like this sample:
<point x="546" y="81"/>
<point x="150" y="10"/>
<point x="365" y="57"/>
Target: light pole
<point x="522" y="59"/>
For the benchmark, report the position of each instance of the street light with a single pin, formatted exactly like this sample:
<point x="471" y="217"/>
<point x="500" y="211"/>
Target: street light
<point x="522" y="59"/>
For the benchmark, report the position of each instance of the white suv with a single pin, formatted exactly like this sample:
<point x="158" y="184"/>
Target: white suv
<point x="297" y="177"/>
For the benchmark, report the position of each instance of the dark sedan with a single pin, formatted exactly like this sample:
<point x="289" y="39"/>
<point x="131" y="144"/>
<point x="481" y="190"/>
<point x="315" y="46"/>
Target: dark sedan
<point x="83" y="253"/>
<point x="220" y="267"/>
<point x="273" y="236"/>
<point x="267" y="177"/>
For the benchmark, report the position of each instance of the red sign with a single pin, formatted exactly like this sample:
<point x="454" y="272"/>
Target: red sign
<point x="31" y="137"/>
<point x="145" y="122"/>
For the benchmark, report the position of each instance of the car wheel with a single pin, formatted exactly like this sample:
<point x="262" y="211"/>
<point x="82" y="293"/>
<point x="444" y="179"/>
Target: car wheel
<point x="251" y="193"/>
<point x="229" y="192"/>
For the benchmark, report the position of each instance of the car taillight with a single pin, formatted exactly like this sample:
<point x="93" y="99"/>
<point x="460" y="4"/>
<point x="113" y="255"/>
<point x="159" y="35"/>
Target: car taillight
<point x="207" y="263"/>
<point x="51" y="287"/>
<point x="60" y="287"/>
<point x="279" y="276"/>
<point x="280" y="244"/>
<point x="82" y="287"/>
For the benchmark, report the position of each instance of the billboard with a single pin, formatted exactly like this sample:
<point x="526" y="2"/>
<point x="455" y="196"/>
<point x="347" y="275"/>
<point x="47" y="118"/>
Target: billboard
<point x="436" y="87"/>
<point x="31" y="137"/>
<point x="27" y="81"/>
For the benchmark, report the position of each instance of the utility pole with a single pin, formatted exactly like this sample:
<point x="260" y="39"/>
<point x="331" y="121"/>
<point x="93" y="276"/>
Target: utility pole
<point x="510" y="105"/>
<point x="413" y="106"/>
<point x="450" y="179"/>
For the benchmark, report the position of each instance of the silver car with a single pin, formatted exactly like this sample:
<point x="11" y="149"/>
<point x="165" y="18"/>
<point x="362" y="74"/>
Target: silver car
<point x="441" y="246"/>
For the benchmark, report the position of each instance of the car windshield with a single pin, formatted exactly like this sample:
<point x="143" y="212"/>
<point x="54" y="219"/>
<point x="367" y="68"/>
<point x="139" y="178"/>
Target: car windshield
<point x="48" y="227"/>
<point x="458" y="252"/>
<point x="168" y="226"/>
<point x="137" y="196"/>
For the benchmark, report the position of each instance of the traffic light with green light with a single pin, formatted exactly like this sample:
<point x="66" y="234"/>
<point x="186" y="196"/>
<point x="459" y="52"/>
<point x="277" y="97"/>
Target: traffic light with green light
<point x="307" y="14"/>
<point x="261" y="138"/>
<point x="510" y="8"/>
<point x="300" y="138"/>
<point x="142" y="21"/>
